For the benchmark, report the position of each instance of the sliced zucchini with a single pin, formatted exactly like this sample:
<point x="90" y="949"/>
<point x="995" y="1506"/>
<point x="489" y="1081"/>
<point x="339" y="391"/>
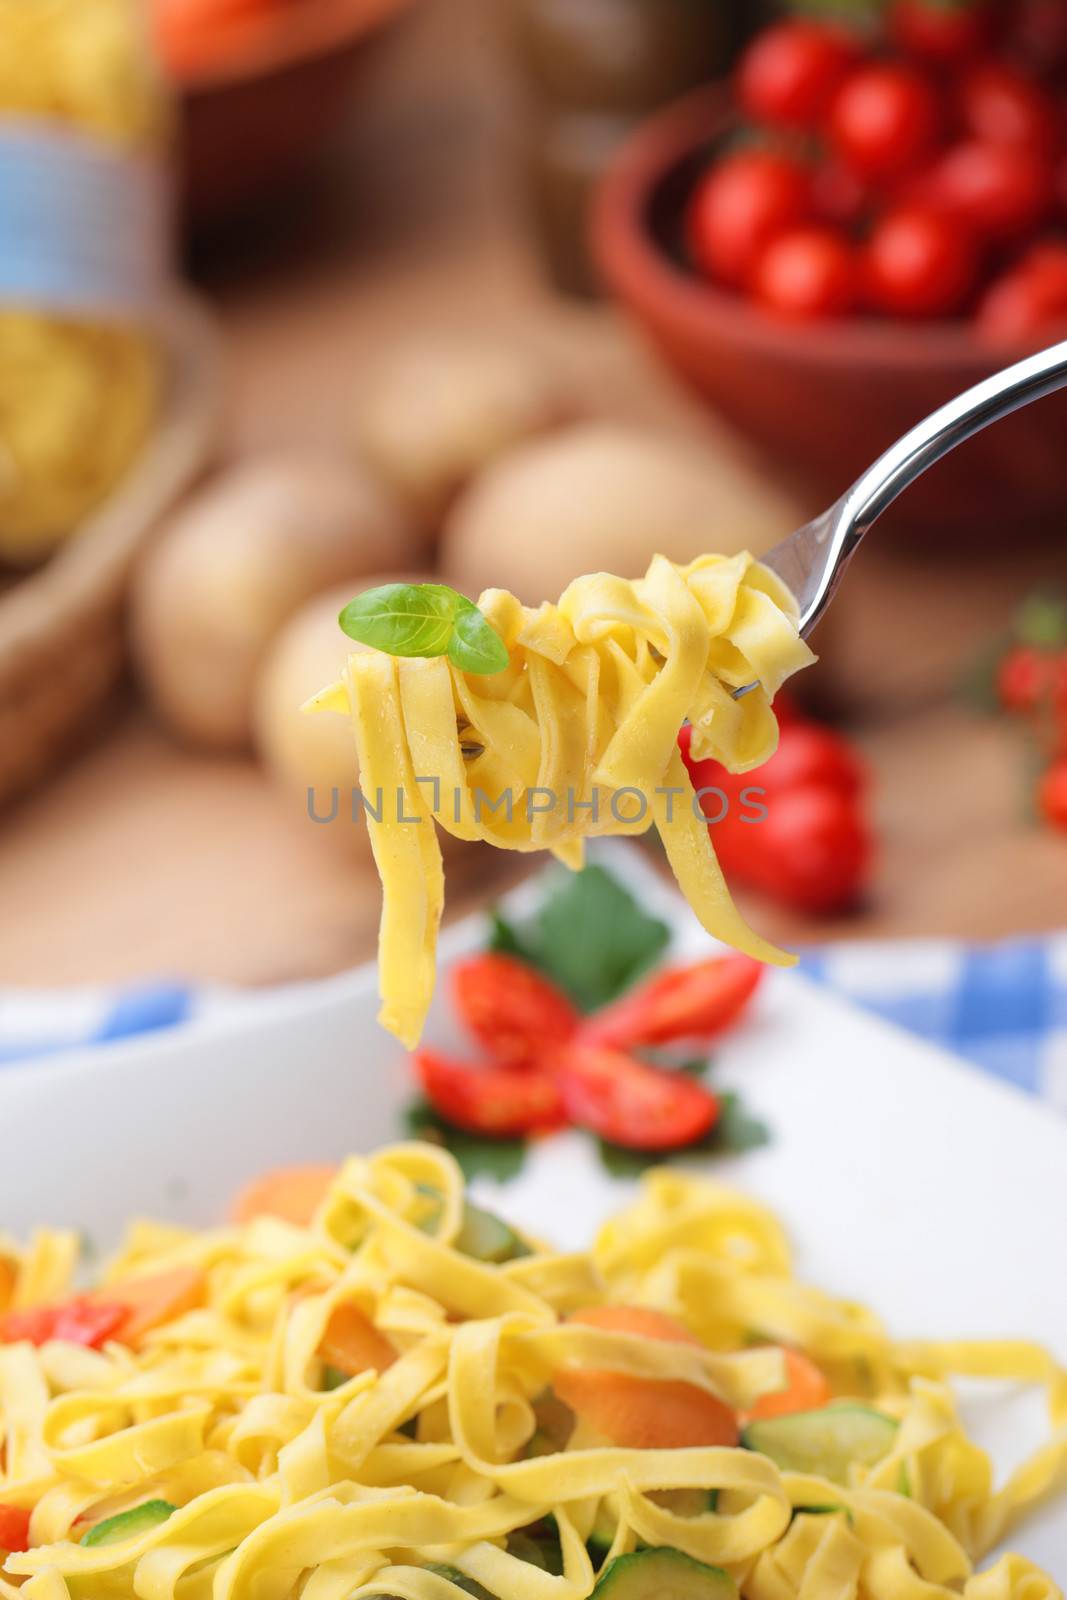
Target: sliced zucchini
<point x="539" y="1444"/>
<point x="686" y="1502"/>
<point x="539" y="1545"/>
<point x="824" y="1443"/>
<point x="555" y="1424"/>
<point x="663" y="1574"/>
<point x="128" y="1524"/>
<point x="482" y="1236"/>
<point x="488" y="1238"/>
<point x="460" y="1579"/>
<point x="431" y="1205"/>
<point x="602" y="1534"/>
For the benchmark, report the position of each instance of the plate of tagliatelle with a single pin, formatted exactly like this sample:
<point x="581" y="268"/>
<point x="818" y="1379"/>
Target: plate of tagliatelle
<point x="828" y="1368"/>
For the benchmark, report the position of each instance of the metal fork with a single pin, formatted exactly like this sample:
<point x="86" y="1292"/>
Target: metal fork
<point x="812" y="561"/>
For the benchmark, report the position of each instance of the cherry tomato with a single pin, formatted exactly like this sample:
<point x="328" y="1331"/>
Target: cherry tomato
<point x="631" y="1104"/>
<point x="1001" y="191"/>
<point x="1028" y="677"/>
<point x="789" y="72"/>
<point x="14" y="1528"/>
<point x="695" y="1002"/>
<point x="190" y="34"/>
<point x="806" y="273"/>
<point x="1041" y="33"/>
<point x="786" y="712"/>
<point x="884" y="120"/>
<point x="1028" y="301"/>
<point x="919" y="263"/>
<point x="493" y="1101"/>
<point x="1005" y="106"/>
<point x="740" y="205"/>
<point x="808" y="753"/>
<point x="839" y="194"/>
<point x="1052" y="794"/>
<point x="812" y="851"/>
<point x="511" y="1009"/>
<point x="85" y="1322"/>
<point x="940" y="30"/>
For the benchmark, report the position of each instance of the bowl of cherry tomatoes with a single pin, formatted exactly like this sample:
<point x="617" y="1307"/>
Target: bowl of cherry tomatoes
<point x="260" y="83"/>
<point x="858" y="226"/>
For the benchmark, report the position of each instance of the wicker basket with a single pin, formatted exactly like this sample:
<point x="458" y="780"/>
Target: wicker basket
<point x="62" y="629"/>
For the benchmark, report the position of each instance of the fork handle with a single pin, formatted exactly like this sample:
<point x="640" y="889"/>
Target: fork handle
<point x="959" y="420"/>
<point x="845" y="524"/>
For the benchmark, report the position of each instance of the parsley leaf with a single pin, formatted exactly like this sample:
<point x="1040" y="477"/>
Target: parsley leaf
<point x="491" y="1158"/>
<point x="590" y="936"/>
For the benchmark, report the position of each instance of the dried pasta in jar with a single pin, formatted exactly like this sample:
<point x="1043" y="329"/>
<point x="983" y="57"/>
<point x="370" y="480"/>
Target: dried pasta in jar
<point x="83" y="229"/>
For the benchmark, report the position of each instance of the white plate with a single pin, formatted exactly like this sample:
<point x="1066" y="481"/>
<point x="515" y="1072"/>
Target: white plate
<point x="908" y="1180"/>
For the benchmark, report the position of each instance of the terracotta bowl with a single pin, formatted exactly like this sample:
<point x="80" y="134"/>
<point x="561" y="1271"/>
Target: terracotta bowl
<point x="825" y="399"/>
<point x="254" y="118"/>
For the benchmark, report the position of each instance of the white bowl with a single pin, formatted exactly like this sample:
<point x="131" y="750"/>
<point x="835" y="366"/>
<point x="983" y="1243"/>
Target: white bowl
<point x="908" y="1180"/>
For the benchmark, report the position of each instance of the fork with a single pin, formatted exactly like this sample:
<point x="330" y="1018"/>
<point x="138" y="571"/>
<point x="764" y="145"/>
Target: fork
<point x="812" y="561"/>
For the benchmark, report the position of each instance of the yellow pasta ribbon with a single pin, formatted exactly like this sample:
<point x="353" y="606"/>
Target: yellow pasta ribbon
<point x="576" y="738"/>
<point x="407" y="1481"/>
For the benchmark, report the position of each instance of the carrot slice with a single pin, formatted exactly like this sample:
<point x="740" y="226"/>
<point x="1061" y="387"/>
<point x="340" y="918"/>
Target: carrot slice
<point x="806" y="1389"/>
<point x="352" y="1343"/>
<point x="155" y="1299"/>
<point x="644" y="1413"/>
<point x="636" y="1319"/>
<point x="292" y="1193"/>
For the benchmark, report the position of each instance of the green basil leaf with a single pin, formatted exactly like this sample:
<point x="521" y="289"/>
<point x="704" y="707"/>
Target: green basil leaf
<point x="425" y="620"/>
<point x="474" y="645"/>
<point x="403" y="619"/>
<point x="589" y="935"/>
<point x="737" y="1129"/>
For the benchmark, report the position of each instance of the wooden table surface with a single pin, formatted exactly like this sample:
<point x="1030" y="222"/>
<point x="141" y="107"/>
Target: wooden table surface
<point x="143" y="859"/>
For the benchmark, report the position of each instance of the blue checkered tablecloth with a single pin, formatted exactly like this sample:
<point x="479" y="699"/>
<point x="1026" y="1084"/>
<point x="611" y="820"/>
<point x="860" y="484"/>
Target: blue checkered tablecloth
<point x="1002" y="1006"/>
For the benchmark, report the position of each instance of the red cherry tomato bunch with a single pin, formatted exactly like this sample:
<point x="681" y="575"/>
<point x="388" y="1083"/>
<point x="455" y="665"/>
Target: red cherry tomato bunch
<point x="797" y="827"/>
<point x="920" y="173"/>
<point x="1032" y="686"/>
<point x="546" y="1066"/>
<point x="1025" y="678"/>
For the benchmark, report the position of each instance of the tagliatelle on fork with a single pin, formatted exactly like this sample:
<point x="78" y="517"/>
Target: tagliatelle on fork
<point x="233" y="1469"/>
<point x="576" y="738"/>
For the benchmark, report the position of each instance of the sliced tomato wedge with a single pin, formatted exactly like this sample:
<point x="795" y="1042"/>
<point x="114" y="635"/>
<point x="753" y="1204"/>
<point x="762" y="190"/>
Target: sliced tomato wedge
<point x="693" y="1002"/>
<point x="159" y="1297"/>
<point x="646" y="1413"/>
<point x="86" y="1322"/>
<point x="14" y="1528"/>
<point x="494" y="1101"/>
<point x="629" y="1103"/>
<point x="292" y="1193"/>
<point x="514" y="1012"/>
<point x="806" y="1389"/>
<point x="352" y="1343"/>
<point x="643" y="1321"/>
